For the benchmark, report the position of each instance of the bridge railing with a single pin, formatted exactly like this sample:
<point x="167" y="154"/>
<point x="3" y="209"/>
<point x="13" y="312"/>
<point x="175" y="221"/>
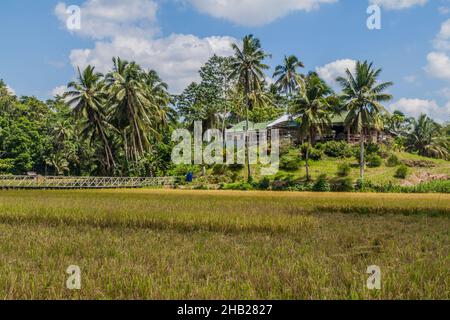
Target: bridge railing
<point x="61" y="182"/>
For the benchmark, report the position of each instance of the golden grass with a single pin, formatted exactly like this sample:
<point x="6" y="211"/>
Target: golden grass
<point x="166" y="244"/>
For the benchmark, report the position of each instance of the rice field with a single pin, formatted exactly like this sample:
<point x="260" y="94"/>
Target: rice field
<point x="168" y="244"/>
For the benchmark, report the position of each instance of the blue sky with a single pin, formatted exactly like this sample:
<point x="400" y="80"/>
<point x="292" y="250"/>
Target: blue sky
<point x="175" y="37"/>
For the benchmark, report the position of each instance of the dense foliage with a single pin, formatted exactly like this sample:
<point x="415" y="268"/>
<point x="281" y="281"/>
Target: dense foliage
<point x="120" y="123"/>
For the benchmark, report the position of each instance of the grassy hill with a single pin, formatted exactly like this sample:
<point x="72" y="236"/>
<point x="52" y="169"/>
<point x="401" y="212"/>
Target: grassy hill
<point x="382" y="174"/>
<point x="420" y="170"/>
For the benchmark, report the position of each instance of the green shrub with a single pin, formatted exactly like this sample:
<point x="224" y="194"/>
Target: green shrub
<point x="240" y="186"/>
<point x="344" y="185"/>
<point x="402" y="172"/>
<point x="337" y="149"/>
<point x="183" y="169"/>
<point x="264" y="184"/>
<point x="344" y="169"/>
<point x="234" y="176"/>
<point x="236" y="167"/>
<point x="219" y="169"/>
<point x="6" y="165"/>
<point x="392" y="161"/>
<point x="372" y="148"/>
<point x="314" y="153"/>
<point x="321" y="184"/>
<point x="374" y="161"/>
<point x="290" y="162"/>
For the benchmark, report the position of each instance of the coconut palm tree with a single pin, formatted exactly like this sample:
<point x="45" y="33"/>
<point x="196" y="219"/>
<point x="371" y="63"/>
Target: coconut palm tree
<point x="247" y="67"/>
<point x="427" y="139"/>
<point x="287" y="77"/>
<point x="88" y="97"/>
<point x="58" y="162"/>
<point x="363" y="95"/>
<point x="136" y="98"/>
<point x="313" y="106"/>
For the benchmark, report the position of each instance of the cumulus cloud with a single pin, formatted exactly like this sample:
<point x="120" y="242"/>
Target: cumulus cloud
<point x="398" y="4"/>
<point x="255" y="13"/>
<point x="177" y="58"/>
<point x="442" y="40"/>
<point x="129" y="29"/>
<point x="438" y="65"/>
<point x="333" y="70"/>
<point x="415" y="107"/>
<point x="106" y="18"/>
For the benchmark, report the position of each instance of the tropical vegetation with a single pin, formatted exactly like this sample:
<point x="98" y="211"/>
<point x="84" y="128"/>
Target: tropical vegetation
<point x="120" y="123"/>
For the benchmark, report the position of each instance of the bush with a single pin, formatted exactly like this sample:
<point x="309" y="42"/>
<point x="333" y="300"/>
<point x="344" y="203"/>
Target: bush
<point x="392" y="161"/>
<point x="321" y="184"/>
<point x="244" y="186"/>
<point x="219" y="169"/>
<point x="373" y="148"/>
<point x="264" y="184"/>
<point x="344" y="169"/>
<point x="402" y="172"/>
<point x="314" y="153"/>
<point x="337" y="149"/>
<point x="374" y="161"/>
<point x="183" y="169"/>
<point x="6" y="165"/>
<point x="290" y="162"/>
<point x="344" y="185"/>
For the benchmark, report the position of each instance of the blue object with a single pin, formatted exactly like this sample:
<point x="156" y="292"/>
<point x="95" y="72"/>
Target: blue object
<point x="189" y="177"/>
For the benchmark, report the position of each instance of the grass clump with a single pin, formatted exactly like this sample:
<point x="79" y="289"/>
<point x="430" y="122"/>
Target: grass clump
<point x="401" y="172"/>
<point x="344" y="169"/>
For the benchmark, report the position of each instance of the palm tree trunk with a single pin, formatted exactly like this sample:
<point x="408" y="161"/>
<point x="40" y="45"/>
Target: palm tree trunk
<point x="307" y="159"/>
<point x="247" y="151"/>
<point x="361" y="156"/>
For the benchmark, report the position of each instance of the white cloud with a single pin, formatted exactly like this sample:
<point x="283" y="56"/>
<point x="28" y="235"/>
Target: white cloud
<point x="59" y="91"/>
<point x="415" y="107"/>
<point x="255" y="13"/>
<point x="106" y="18"/>
<point x="442" y="41"/>
<point x="177" y="58"/>
<point x="333" y="70"/>
<point x="398" y="4"/>
<point x="438" y="65"/>
<point x="128" y="29"/>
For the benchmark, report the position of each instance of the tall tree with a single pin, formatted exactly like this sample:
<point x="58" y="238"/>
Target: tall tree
<point x="88" y="97"/>
<point x="136" y="99"/>
<point x="288" y="79"/>
<point x="247" y="67"/>
<point x="314" y="108"/>
<point x="427" y="138"/>
<point x="363" y="95"/>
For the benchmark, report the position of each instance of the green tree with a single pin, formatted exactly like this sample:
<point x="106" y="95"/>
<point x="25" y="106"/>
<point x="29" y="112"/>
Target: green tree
<point x="288" y="79"/>
<point x="314" y="108"/>
<point x="88" y="97"/>
<point x="137" y="102"/>
<point x="247" y="67"/>
<point x="363" y="95"/>
<point x="427" y="138"/>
